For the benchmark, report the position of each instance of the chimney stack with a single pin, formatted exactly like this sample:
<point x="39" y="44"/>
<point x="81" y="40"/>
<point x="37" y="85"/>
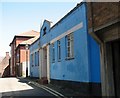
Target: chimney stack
<point x="7" y="54"/>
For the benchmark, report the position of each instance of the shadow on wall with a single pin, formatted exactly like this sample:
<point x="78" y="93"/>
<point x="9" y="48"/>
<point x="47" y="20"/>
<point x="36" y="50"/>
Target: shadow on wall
<point x="6" y="72"/>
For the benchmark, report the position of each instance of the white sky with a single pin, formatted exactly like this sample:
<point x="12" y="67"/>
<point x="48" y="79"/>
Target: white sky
<point x="18" y="16"/>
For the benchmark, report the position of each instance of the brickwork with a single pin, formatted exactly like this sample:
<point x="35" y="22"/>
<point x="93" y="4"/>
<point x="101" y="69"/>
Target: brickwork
<point x="19" y="40"/>
<point x="104" y="26"/>
<point x="103" y="12"/>
<point x="16" y="41"/>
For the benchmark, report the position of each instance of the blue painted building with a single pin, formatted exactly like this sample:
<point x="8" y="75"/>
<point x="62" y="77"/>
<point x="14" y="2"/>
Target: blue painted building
<point x="68" y="54"/>
<point x="34" y="58"/>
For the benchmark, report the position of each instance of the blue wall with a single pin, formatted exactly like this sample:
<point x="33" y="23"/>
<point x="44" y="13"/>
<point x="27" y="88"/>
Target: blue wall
<point x="85" y="66"/>
<point x="94" y="58"/>
<point x="34" y="66"/>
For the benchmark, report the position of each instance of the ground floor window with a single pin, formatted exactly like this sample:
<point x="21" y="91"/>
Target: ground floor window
<point x="53" y="53"/>
<point x="59" y="50"/>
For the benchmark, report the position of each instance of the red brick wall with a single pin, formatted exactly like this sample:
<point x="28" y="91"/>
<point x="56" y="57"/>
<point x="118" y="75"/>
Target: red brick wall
<point x="19" y="40"/>
<point x="17" y="55"/>
<point x="23" y="55"/>
<point x="12" y="59"/>
<point x="14" y="44"/>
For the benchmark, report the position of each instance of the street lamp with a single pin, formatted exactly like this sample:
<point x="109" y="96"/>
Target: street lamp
<point x="26" y="47"/>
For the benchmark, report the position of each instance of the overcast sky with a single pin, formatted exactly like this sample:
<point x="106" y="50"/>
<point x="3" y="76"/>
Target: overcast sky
<point x="17" y="16"/>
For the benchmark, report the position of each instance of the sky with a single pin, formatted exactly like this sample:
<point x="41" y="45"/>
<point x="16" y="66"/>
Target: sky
<point x="17" y="16"/>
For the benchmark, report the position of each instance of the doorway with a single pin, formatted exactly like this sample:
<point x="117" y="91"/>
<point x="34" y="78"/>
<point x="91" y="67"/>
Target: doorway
<point x="116" y="66"/>
<point x="44" y="66"/>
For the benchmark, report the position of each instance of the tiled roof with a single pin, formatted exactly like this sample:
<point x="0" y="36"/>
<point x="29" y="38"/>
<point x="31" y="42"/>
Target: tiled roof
<point x="3" y="64"/>
<point x="29" y="33"/>
<point x="1" y="58"/>
<point x="30" y="41"/>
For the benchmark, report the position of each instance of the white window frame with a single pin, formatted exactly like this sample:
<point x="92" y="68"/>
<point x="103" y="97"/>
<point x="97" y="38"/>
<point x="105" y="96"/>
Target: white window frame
<point x="70" y="46"/>
<point x="53" y="52"/>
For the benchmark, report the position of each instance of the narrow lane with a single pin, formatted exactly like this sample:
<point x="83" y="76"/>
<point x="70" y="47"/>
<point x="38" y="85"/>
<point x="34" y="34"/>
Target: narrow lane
<point x="20" y="87"/>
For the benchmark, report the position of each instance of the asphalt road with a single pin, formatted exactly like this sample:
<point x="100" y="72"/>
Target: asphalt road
<point x="13" y="87"/>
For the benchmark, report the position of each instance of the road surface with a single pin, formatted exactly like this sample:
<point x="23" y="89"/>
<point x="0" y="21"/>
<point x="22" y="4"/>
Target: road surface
<point x="14" y="87"/>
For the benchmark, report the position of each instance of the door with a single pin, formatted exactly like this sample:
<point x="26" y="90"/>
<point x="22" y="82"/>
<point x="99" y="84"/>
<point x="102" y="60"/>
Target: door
<point x="44" y="62"/>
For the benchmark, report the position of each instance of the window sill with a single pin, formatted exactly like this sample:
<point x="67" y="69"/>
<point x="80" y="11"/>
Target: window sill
<point x="59" y="60"/>
<point x="53" y="62"/>
<point x="32" y="65"/>
<point x="69" y="58"/>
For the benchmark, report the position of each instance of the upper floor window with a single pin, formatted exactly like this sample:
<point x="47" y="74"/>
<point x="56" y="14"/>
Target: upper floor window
<point x="69" y="46"/>
<point x="59" y="49"/>
<point x="44" y="31"/>
<point x="53" y="53"/>
<point x="17" y="57"/>
<point x="37" y="58"/>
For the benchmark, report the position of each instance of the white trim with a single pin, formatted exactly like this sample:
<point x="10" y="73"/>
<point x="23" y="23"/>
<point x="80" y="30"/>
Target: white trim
<point x="80" y="25"/>
<point x="44" y="45"/>
<point x="41" y="60"/>
<point x="31" y="52"/>
<point x="40" y="66"/>
<point x="48" y="64"/>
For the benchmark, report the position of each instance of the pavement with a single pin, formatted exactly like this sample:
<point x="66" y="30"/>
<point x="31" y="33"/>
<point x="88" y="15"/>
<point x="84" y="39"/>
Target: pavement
<point x="30" y="87"/>
<point x="57" y="89"/>
<point x="20" y="88"/>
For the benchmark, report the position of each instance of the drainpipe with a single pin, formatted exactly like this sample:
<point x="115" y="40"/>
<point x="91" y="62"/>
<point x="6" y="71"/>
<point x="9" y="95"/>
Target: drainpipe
<point x="26" y="47"/>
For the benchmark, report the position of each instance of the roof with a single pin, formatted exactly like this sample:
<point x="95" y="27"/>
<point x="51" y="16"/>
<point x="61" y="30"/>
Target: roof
<point x="30" y="41"/>
<point x="1" y="58"/>
<point x="4" y="63"/>
<point x="30" y="33"/>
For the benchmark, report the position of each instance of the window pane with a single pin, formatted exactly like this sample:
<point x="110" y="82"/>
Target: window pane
<point x="32" y="60"/>
<point x="59" y="50"/>
<point x="53" y="53"/>
<point x="38" y="58"/>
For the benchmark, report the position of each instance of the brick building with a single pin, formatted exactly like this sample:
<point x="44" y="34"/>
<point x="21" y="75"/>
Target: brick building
<point x="104" y="26"/>
<point x="15" y="42"/>
<point x="22" y="57"/>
